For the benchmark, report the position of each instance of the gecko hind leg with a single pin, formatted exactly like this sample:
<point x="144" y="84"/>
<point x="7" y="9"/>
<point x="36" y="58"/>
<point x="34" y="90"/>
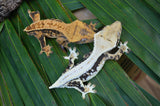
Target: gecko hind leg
<point x="72" y="56"/>
<point x="44" y="48"/>
<point x="63" y="42"/>
<point x="78" y="85"/>
<point x="92" y="26"/>
<point x="34" y="15"/>
<point x="47" y="50"/>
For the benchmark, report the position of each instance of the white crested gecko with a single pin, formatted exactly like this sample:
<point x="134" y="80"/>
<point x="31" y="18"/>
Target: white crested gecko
<point x="104" y="41"/>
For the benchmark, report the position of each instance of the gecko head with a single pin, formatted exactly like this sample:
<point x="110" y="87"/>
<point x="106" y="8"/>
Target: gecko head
<point x="107" y="38"/>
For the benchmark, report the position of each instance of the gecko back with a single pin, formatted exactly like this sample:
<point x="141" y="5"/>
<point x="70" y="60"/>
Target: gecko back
<point x="75" y="32"/>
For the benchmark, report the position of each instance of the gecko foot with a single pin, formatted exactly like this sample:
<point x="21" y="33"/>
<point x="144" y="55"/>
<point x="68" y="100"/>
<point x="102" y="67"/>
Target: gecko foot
<point x="92" y="26"/>
<point x="73" y="54"/>
<point x="88" y="89"/>
<point x="47" y="50"/>
<point x="34" y="15"/>
<point x="124" y="47"/>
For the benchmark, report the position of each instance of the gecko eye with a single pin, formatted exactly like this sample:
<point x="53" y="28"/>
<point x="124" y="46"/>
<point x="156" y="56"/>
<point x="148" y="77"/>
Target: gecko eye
<point x="101" y="35"/>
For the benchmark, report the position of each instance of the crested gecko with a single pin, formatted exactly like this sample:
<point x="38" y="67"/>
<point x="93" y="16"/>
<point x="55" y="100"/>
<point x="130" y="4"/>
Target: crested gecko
<point x="104" y="41"/>
<point x="75" y="32"/>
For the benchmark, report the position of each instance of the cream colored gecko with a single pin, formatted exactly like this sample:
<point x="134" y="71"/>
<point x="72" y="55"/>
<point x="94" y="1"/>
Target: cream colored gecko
<point x="104" y="41"/>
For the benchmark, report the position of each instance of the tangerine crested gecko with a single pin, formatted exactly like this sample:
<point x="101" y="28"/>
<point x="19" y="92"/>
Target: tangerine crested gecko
<point x="104" y="41"/>
<point x="75" y="32"/>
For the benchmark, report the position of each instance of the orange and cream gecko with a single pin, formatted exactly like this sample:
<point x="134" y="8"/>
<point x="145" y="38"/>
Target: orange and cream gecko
<point x="75" y="32"/>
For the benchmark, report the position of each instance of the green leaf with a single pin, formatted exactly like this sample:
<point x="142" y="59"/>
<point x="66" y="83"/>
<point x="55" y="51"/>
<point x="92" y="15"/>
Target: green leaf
<point x="126" y="98"/>
<point x="135" y="28"/>
<point x="96" y="101"/>
<point x="25" y="75"/>
<point x="155" y="4"/>
<point x="12" y="95"/>
<point x="21" y="90"/>
<point x="5" y="99"/>
<point x="1" y="26"/>
<point x="125" y="83"/>
<point x="72" y="4"/>
<point x="56" y="10"/>
<point x="24" y="66"/>
<point x="109" y="89"/>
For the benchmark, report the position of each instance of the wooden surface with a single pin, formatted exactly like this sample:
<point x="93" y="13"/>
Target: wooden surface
<point x="150" y="86"/>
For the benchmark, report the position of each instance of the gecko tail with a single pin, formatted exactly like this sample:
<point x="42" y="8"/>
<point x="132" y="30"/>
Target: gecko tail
<point x="53" y="86"/>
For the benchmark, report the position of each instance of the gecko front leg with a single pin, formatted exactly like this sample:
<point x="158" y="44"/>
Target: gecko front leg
<point x="78" y="85"/>
<point x="122" y="48"/>
<point x="62" y="40"/>
<point x="72" y="56"/>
